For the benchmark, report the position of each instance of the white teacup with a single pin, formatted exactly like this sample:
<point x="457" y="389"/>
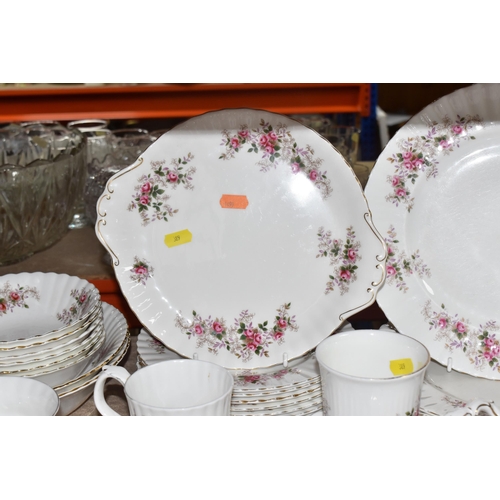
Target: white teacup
<point x="22" y="396"/>
<point x="174" y="387"/>
<point x="371" y="372"/>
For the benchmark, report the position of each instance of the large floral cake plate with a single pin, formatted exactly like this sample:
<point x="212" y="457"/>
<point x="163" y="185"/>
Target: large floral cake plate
<point x="435" y="196"/>
<point x="241" y="237"/>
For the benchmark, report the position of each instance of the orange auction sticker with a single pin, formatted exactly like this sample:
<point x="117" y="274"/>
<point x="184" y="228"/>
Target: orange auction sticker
<point x="234" y="201"/>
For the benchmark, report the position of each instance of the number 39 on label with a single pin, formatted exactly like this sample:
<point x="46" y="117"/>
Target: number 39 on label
<point x="178" y="238"/>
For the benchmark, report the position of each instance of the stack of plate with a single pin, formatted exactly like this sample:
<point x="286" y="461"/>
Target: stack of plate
<point x="51" y="325"/>
<point x="288" y="391"/>
<point x="294" y="390"/>
<point x="75" y="392"/>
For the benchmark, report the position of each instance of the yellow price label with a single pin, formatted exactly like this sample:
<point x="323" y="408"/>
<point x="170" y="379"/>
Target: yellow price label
<point x="401" y="366"/>
<point x="178" y="238"/>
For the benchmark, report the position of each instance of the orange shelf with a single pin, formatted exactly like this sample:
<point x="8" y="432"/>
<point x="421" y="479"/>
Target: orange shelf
<point x="72" y="102"/>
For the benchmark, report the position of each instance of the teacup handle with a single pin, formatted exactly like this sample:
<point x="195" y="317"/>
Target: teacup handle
<point x="474" y="407"/>
<point x="118" y="373"/>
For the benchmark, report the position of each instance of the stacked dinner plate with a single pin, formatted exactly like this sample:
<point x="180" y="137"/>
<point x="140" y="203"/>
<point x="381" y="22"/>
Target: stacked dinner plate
<point x="290" y="391"/>
<point x="50" y="326"/>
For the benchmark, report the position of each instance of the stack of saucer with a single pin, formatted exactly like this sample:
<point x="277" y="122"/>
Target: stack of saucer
<point x="288" y="391"/>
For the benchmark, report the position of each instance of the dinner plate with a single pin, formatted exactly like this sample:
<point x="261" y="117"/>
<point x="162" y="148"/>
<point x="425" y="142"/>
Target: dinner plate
<point x="314" y="395"/>
<point x="303" y="409"/>
<point x="461" y="385"/>
<point x="434" y="402"/>
<point x="241" y="237"/>
<point x="248" y="383"/>
<point x="435" y="197"/>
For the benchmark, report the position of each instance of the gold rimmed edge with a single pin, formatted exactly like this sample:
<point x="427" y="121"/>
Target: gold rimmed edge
<point x="125" y="340"/>
<point x="120" y="356"/>
<point x="56" y="366"/>
<point x="375" y="285"/>
<point x="102" y="213"/>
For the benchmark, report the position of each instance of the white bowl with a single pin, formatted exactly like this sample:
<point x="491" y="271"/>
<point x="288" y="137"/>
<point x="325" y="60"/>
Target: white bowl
<point x="49" y="350"/>
<point x="21" y="396"/>
<point x="35" y="366"/>
<point x="66" y="372"/>
<point x="38" y="307"/>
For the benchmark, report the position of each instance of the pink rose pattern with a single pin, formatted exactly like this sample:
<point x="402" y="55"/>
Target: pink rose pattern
<point x="420" y="155"/>
<point x="344" y="256"/>
<point x="454" y="402"/>
<point x="250" y="378"/>
<point x="480" y="344"/>
<point x="243" y="338"/>
<point x="141" y="271"/>
<point x="157" y="345"/>
<point x="12" y="298"/>
<point x="399" y="265"/>
<point x="80" y="306"/>
<point x="150" y="198"/>
<point x="276" y="145"/>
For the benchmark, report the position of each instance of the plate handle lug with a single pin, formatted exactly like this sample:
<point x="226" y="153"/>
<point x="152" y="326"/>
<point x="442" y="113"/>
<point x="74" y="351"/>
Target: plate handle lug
<point x="285" y="359"/>
<point x="449" y="365"/>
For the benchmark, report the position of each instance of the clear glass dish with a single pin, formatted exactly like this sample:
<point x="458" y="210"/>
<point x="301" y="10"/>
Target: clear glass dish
<point x="42" y="177"/>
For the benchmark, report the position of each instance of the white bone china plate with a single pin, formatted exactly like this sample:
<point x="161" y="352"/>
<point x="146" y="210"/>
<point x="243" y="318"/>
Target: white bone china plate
<point x="241" y="237"/>
<point x="435" y="197"/>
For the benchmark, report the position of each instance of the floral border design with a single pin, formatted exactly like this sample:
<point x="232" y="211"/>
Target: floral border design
<point x="343" y="256"/>
<point x="276" y="145"/>
<point x="10" y="297"/>
<point x="141" y="271"/>
<point x="150" y="198"/>
<point x="454" y="402"/>
<point x="248" y="377"/>
<point x="77" y="309"/>
<point x="242" y="339"/>
<point x="420" y="155"/>
<point x="480" y="344"/>
<point x="398" y="264"/>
